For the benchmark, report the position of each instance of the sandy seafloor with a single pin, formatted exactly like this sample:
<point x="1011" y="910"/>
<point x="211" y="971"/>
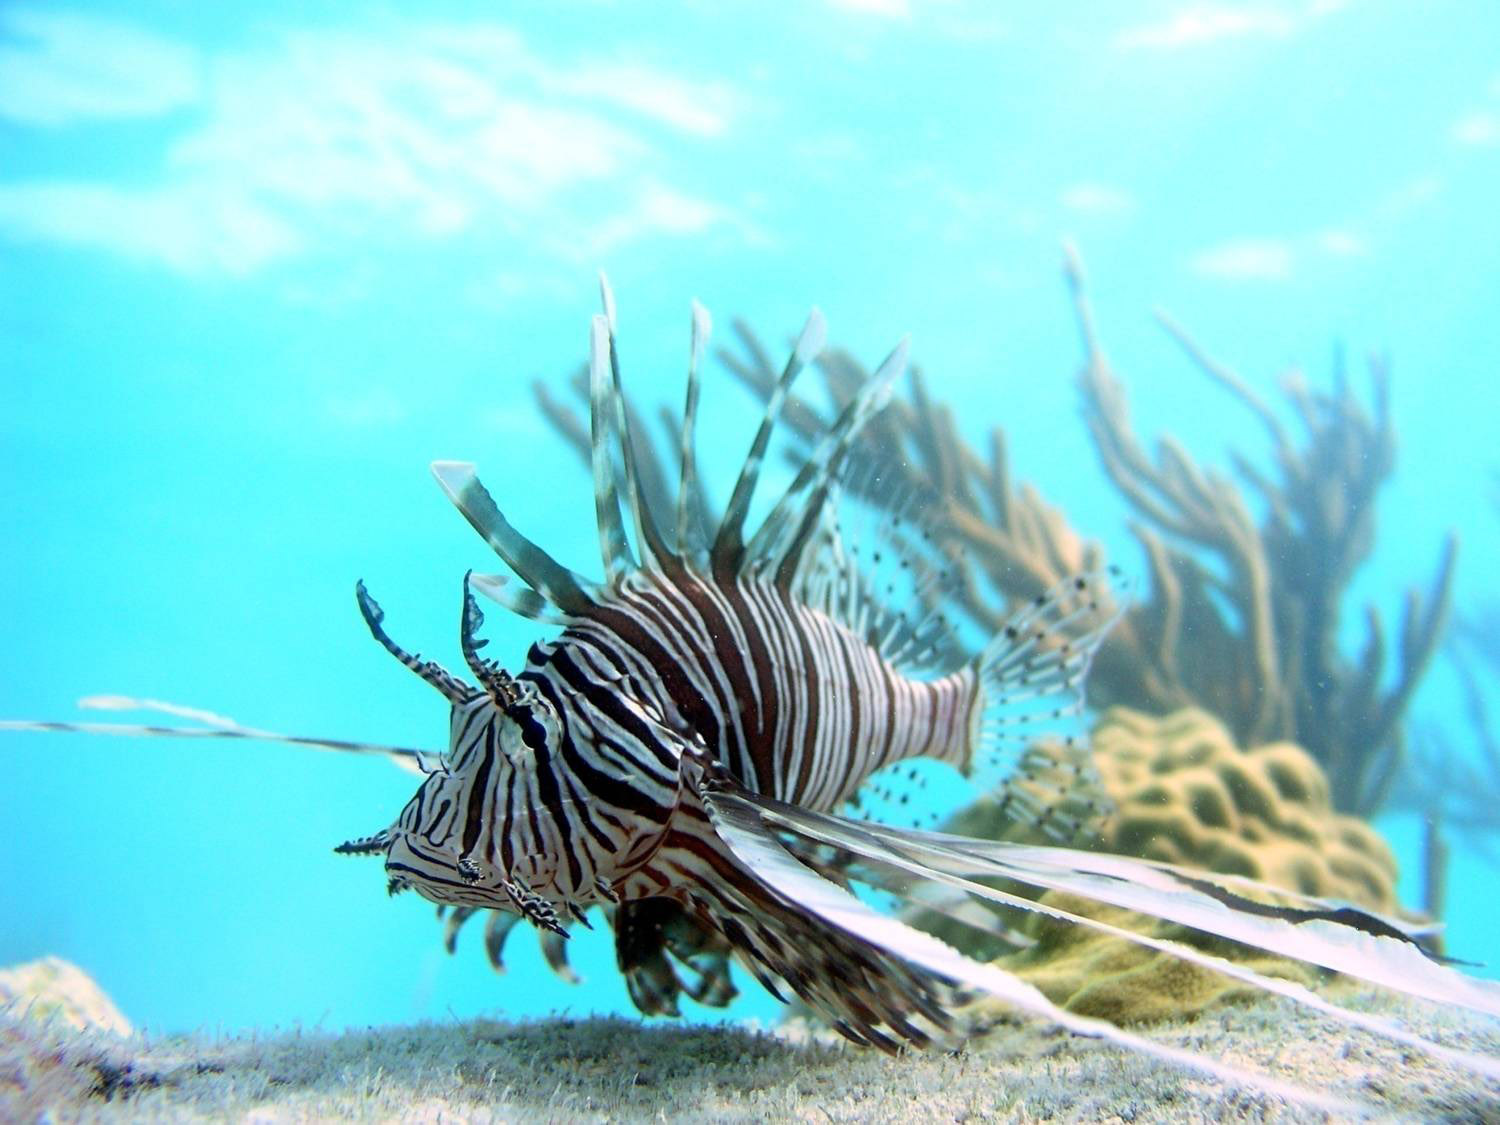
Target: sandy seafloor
<point x="620" y="1070"/>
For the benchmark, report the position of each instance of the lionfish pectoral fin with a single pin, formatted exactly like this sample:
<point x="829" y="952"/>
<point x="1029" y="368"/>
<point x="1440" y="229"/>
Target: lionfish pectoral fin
<point x="554" y="944"/>
<point x="739" y="818"/>
<point x="649" y="934"/>
<point x="1332" y="935"/>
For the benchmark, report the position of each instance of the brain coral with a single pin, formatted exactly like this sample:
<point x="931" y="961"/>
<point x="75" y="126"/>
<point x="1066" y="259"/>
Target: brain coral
<point x="1184" y="793"/>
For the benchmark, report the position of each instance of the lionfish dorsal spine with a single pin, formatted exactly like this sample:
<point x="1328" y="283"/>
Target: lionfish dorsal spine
<point x="781" y="542"/>
<point x="692" y="542"/>
<point x="560" y="586"/>
<point x="729" y="548"/>
<point x="614" y="548"/>
<point x="519" y="599"/>
<point x="649" y="540"/>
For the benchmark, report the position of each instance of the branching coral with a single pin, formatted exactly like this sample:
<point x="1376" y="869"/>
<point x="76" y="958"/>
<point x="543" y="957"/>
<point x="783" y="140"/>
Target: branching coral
<point x="1271" y="668"/>
<point x="1462" y="790"/>
<point x="1242" y="616"/>
<point x="1452" y="779"/>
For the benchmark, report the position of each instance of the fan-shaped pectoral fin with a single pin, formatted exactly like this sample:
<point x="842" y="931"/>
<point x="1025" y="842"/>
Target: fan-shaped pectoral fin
<point x="746" y="828"/>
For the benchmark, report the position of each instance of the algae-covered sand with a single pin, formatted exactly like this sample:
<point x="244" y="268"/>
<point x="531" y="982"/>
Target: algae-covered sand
<point x="620" y="1070"/>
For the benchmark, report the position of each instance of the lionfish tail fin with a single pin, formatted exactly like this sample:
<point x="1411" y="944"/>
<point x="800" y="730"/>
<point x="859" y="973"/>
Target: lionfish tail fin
<point x="1031" y="686"/>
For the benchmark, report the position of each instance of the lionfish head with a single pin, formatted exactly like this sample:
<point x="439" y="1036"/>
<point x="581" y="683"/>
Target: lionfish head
<point x="444" y="843"/>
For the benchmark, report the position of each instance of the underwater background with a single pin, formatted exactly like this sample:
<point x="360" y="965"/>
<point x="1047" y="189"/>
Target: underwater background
<point x="261" y="264"/>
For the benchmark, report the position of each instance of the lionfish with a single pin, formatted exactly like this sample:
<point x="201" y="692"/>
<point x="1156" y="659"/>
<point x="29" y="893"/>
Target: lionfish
<point x="682" y="752"/>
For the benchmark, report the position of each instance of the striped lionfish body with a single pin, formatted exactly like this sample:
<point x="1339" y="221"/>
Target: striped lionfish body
<point x="764" y="664"/>
<point x="679" y="751"/>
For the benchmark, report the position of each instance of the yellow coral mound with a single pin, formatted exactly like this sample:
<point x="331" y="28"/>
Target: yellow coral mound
<point x="1095" y="974"/>
<point x="1184" y="793"/>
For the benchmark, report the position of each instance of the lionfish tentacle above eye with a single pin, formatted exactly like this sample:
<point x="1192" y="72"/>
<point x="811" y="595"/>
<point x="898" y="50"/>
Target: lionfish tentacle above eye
<point x="453" y="689"/>
<point x="496" y="680"/>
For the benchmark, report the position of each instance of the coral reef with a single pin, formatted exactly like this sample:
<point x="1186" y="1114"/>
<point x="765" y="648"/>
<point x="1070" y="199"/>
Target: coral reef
<point x="1452" y="775"/>
<point x="53" y="990"/>
<point x="1242" y="617"/>
<point x="1457" y="789"/>
<point x="1273" y="668"/>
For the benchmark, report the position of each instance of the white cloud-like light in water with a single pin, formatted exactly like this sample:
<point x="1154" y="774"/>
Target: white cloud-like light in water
<point x="1342" y="243"/>
<point x="891" y="9"/>
<point x="1246" y="259"/>
<point x="426" y="130"/>
<point x="59" y="68"/>
<point x="369" y="409"/>
<point x="191" y="227"/>
<point x="1277" y="259"/>
<point x="1480" y="130"/>
<point x="1097" y="199"/>
<point x="1202" y="24"/>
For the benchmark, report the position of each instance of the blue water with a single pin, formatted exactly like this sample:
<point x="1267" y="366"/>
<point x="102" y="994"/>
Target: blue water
<point x="258" y="267"/>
